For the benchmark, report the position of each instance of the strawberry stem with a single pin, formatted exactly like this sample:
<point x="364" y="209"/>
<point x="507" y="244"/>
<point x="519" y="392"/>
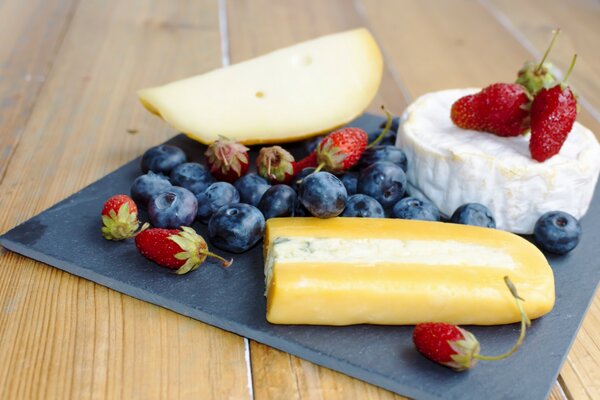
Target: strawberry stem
<point x="226" y="263"/>
<point x="223" y="156"/>
<point x="570" y="68"/>
<point x="525" y="322"/>
<point x="385" y="130"/>
<point x="555" y="33"/>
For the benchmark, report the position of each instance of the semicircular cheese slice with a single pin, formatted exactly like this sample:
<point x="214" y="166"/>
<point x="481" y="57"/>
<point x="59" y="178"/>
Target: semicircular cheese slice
<point x="289" y="94"/>
<point x="452" y="166"/>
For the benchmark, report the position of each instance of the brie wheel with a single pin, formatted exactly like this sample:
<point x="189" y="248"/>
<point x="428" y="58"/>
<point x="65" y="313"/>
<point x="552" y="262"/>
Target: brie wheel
<point x="451" y="166"/>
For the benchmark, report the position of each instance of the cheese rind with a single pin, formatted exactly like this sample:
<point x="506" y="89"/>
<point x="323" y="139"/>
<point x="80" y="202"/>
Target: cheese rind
<point x="451" y="166"/>
<point x="434" y="272"/>
<point x="289" y="94"/>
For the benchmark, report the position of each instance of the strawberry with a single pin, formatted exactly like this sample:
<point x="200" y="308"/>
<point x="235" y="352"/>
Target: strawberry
<point x="446" y="344"/>
<point x="181" y="250"/>
<point x="341" y="150"/>
<point x="120" y="218"/>
<point x="501" y="109"/>
<point x="277" y="165"/>
<point x="457" y="348"/>
<point x="553" y="114"/>
<point x="227" y="159"/>
<point x="535" y="76"/>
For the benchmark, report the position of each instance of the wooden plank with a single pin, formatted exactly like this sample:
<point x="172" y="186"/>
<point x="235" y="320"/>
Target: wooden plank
<point x="64" y="337"/>
<point x="257" y="27"/>
<point x="461" y="45"/>
<point x="454" y="50"/>
<point x="31" y="34"/>
<point x="531" y="24"/>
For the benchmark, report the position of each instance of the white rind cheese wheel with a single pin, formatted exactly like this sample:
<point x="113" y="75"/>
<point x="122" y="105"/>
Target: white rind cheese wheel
<point x="451" y="166"/>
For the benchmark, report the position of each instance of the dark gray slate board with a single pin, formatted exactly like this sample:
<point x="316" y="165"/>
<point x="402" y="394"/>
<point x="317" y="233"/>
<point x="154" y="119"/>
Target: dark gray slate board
<point x="232" y="299"/>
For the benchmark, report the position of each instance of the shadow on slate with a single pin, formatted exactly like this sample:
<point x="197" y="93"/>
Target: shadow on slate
<point x="232" y="299"/>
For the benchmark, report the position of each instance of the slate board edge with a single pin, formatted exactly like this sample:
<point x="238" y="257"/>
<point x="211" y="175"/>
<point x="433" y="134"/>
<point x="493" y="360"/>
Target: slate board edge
<point x="241" y="330"/>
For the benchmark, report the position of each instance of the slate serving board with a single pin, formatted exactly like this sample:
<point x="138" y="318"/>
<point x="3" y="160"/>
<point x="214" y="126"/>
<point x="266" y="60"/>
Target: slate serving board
<point x="232" y="299"/>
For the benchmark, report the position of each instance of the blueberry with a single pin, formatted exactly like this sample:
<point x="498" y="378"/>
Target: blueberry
<point x="311" y="144"/>
<point x="557" y="232"/>
<point x="251" y="188"/>
<point x="297" y="180"/>
<point x="172" y="208"/>
<point x="473" y="214"/>
<point x="388" y="139"/>
<point x="350" y="181"/>
<point x="323" y="195"/>
<point x="413" y="208"/>
<point x="392" y="154"/>
<point x="162" y="159"/>
<point x="214" y="197"/>
<point x="278" y="201"/>
<point x="300" y="210"/>
<point x="361" y="205"/>
<point x="395" y="124"/>
<point x="145" y="187"/>
<point x="236" y="227"/>
<point x="384" y="181"/>
<point x="192" y="176"/>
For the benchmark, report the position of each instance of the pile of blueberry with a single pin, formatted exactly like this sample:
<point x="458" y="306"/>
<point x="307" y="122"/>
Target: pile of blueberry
<point x="176" y="193"/>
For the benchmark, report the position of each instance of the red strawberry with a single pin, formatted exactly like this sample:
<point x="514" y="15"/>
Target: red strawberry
<point x="181" y="250"/>
<point x="120" y="218"/>
<point x="341" y="150"/>
<point x="227" y="159"/>
<point x="277" y="165"/>
<point x="501" y="109"/>
<point x="446" y="344"/>
<point x="553" y="114"/>
<point x="458" y="348"/>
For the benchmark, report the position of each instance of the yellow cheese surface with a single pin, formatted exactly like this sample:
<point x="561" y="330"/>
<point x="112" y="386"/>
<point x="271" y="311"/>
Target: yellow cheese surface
<point x="289" y="94"/>
<point x="343" y="271"/>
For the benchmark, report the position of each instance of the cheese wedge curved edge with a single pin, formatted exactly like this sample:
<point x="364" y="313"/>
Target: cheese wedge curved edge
<point x="289" y="94"/>
<point x="344" y="271"/>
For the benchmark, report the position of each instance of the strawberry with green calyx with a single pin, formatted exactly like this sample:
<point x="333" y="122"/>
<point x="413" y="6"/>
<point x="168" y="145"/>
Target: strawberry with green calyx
<point x="181" y="250"/>
<point x="457" y="348"/>
<point x="500" y="108"/>
<point x="227" y="159"/>
<point x="535" y="76"/>
<point x="553" y="114"/>
<point x="341" y="150"/>
<point x="276" y="164"/>
<point x="120" y="218"/>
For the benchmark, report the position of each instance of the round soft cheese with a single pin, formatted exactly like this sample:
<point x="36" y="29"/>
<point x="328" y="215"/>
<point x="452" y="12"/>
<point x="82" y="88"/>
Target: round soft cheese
<point x="451" y="166"/>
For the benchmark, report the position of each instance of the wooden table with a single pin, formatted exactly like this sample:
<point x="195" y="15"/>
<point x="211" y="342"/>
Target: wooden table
<point x="69" y="70"/>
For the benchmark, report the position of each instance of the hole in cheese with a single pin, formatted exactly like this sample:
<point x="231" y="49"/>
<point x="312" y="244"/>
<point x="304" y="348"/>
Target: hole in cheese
<point x="259" y="94"/>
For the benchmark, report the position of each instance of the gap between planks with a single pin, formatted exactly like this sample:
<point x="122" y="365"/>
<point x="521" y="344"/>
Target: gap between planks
<point x="226" y="61"/>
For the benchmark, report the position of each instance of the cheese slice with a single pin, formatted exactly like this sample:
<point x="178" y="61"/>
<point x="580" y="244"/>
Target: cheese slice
<point x="343" y="271"/>
<point x="289" y="94"/>
<point x="451" y="166"/>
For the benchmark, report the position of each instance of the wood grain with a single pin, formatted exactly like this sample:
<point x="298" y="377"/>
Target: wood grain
<point x="64" y="337"/>
<point x="28" y="46"/>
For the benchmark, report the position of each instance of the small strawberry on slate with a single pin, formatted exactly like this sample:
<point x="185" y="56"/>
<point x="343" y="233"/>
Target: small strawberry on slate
<point x="120" y="218"/>
<point x="457" y="348"/>
<point x="181" y="250"/>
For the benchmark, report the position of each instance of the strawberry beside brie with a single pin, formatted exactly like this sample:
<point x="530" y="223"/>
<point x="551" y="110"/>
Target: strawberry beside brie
<point x="451" y="166"/>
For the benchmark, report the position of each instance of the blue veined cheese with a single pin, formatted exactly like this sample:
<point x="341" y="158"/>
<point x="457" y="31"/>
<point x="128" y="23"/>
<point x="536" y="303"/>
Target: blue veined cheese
<point x="451" y="166"/>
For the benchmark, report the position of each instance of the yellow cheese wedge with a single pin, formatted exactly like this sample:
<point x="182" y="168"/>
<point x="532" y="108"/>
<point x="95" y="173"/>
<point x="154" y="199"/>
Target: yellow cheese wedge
<point x="343" y="271"/>
<point x="289" y="94"/>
